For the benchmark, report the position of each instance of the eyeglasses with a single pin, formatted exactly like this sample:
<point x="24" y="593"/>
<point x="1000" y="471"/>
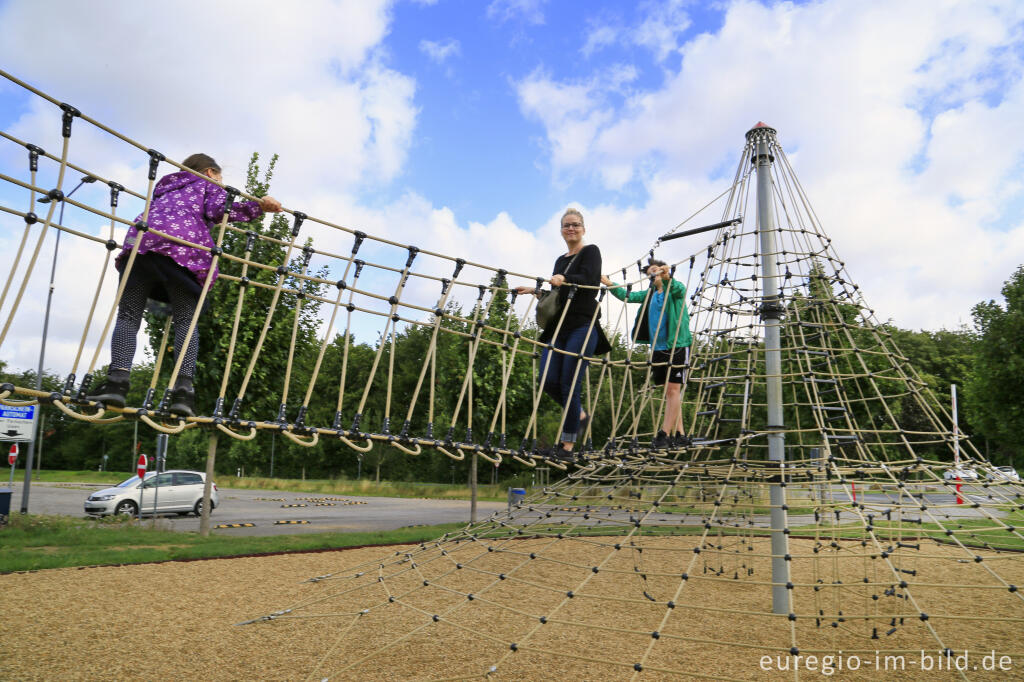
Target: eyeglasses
<point x="568" y="226"/>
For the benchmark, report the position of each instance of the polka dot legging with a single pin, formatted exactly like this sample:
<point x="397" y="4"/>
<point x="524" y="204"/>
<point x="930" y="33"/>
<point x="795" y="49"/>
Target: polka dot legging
<point x="129" y="319"/>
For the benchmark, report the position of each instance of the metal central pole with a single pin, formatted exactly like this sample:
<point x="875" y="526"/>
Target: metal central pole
<point x="763" y="139"/>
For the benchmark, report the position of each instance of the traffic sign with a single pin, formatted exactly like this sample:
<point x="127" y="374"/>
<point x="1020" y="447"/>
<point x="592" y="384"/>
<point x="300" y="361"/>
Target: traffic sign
<point x="141" y="467"/>
<point x="12" y="457"/>
<point x="17" y="422"/>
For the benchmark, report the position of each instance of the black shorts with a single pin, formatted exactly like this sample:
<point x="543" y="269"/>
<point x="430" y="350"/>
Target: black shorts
<point x="670" y="364"/>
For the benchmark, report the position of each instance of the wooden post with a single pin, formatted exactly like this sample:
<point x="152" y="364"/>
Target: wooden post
<point x="211" y="456"/>
<point x="472" y="488"/>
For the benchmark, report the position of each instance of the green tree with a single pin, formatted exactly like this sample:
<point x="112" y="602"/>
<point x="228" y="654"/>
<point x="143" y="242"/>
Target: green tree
<point x="996" y="386"/>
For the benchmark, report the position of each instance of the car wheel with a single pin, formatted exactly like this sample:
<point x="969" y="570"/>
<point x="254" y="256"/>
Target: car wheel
<point x="126" y="507"/>
<point x="198" y="509"/>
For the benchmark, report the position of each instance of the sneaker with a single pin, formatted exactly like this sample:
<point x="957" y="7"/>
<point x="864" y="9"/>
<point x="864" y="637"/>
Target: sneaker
<point x="183" y="402"/>
<point x="681" y="441"/>
<point x="660" y="441"/>
<point x="111" y="393"/>
<point x="560" y="454"/>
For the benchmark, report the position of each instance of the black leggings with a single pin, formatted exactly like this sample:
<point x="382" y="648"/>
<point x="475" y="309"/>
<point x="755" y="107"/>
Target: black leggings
<point x="129" y="319"/>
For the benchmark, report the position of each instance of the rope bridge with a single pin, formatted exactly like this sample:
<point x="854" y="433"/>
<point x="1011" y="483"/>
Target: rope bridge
<point x="809" y="512"/>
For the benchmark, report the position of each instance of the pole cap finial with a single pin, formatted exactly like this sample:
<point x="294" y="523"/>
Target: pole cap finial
<point x="761" y="129"/>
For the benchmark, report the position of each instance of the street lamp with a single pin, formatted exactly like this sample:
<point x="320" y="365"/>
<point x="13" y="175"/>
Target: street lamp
<point x="88" y="179"/>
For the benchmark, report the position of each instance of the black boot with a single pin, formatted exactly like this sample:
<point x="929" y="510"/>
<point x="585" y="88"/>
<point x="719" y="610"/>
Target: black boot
<point x="183" y="399"/>
<point x="113" y="391"/>
<point x="660" y="441"/>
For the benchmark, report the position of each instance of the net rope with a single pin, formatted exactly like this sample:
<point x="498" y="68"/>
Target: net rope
<point x="660" y="554"/>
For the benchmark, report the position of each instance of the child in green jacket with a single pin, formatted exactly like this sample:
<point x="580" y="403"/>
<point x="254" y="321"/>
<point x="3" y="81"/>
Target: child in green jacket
<point x="664" y="323"/>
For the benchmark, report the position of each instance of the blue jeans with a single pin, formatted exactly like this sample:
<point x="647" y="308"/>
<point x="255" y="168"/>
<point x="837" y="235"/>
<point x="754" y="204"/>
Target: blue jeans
<point x="558" y="382"/>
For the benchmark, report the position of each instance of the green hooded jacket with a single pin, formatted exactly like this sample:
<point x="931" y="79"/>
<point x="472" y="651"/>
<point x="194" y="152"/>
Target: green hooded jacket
<point x="675" y="312"/>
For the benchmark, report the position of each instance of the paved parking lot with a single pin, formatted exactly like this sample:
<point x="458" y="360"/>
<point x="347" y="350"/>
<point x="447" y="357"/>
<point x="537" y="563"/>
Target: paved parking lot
<point x="263" y="508"/>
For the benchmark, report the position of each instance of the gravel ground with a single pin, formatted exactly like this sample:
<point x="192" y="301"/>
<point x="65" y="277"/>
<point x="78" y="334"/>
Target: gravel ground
<point x="177" y="620"/>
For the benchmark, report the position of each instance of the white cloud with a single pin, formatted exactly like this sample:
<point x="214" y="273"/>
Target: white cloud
<point x="898" y="118"/>
<point x="659" y="30"/>
<point x="440" y="50"/>
<point x="247" y="76"/>
<point x="530" y="11"/>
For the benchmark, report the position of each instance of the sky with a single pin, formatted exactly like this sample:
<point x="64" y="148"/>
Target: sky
<point x="468" y="126"/>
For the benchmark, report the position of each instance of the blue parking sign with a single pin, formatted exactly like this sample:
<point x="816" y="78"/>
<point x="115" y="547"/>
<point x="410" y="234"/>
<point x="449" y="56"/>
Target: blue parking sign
<point x="17" y="422"/>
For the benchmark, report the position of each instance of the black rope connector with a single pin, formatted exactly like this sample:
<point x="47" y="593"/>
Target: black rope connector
<point x="413" y="250"/>
<point x="281" y="270"/>
<point x="483" y="290"/>
<point x="55" y="195"/>
<point x="110" y="244"/>
<point x="360" y="236"/>
<point x="297" y="225"/>
<point x="216" y="251"/>
<point x="31" y="218"/>
<point x="250" y="240"/>
<point x="69" y="115"/>
<point x="115" y="191"/>
<point x="229" y="198"/>
<point x="244" y="282"/>
<point x="141" y="226"/>
<point x="235" y="407"/>
<point x="459" y="264"/>
<point x="359" y="268"/>
<point x="34" y="153"/>
<point x="307" y="254"/>
<point x="155" y="158"/>
<point x="637" y="667"/>
<point x="393" y="300"/>
<point x="341" y="285"/>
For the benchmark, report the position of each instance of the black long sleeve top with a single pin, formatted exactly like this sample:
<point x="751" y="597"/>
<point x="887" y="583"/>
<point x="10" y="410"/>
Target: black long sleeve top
<point x="585" y="270"/>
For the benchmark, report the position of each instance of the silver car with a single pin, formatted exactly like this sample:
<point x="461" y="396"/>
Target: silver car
<point x="169" y="492"/>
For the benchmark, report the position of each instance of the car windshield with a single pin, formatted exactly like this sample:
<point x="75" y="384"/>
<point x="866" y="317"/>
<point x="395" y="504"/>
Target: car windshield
<point x="133" y="481"/>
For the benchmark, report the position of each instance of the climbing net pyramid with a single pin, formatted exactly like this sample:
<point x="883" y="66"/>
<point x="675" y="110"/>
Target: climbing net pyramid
<point x="812" y="515"/>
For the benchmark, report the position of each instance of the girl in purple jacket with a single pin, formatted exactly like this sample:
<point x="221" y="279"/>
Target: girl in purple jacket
<point x="184" y="206"/>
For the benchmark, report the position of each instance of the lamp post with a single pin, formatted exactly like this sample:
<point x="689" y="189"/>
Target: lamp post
<point x="31" y="449"/>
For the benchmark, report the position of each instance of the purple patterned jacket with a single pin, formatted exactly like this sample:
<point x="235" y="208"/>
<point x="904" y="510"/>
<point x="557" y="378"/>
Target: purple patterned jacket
<point x="185" y="206"/>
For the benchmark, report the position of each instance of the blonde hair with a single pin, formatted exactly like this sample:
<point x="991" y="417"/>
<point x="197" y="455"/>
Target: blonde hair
<point x="571" y="211"/>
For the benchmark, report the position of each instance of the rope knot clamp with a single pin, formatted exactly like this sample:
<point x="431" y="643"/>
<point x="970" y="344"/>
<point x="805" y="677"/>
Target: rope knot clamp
<point x="115" y="191"/>
<point x="218" y="408"/>
<point x="448" y="436"/>
<point x="501" y="277"/>
<point x="439" y="312"/>
<point x="413" y="250"/>
<point x="393" y="300"/>
<point x="403" y="434"/>
<point x="69" y="115"/>
<point x="236" y="405"/>
<point x="300" y="419"/>
<point x="385" y="428"/>
<point x="229" y="198"/>
<point x="459" y="264"/>
<point x="483" y="290"/>
<point x="355" y="422"/>
<point x="360" y="236"/>
<point x="351" y="307"/>
<point x="359" y="268"/>
<point x="244" y="282"/>
<point x="540" y="282"/>
<point x="55" y="195"/>
<point x="307" y="254"/>
<point x="34" y="153"/>
<point x="336" y="424"/>
<point x="155" y="158"/>
<point x="281" y="270"/>
<point x="141" y="226"/>
<point x="341" y="285"/>
<point x="445" y="282"/>
<point x="297" y="225"/>
<point x="31" y="218"/>
<point x="216" y="251"/>
<point x="430" y="431"/>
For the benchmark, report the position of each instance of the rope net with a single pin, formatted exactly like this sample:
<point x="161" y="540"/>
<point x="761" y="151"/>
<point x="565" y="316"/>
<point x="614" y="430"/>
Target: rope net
<point x="691" y="557"/>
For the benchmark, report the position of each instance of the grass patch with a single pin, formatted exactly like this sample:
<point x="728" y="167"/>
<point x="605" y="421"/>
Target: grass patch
<point x="365" y="488"/>
<point x="30" y="542"/>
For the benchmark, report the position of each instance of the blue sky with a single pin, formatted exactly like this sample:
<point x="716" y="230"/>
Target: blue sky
<point x="468" y="126"/>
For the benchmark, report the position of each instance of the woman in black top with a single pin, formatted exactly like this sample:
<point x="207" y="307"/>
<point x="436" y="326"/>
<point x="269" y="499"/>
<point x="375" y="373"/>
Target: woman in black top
<point x="580" y="330"/>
